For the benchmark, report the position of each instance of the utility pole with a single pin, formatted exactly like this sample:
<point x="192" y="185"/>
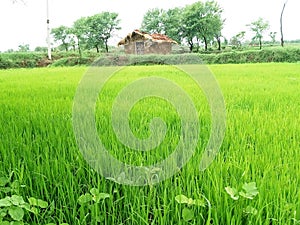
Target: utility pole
<point x="48" y="32"/>
<point x="281" y="24"/>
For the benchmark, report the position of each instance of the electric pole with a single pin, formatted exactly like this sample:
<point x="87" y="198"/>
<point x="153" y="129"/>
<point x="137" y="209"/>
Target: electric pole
<point x="48" y="32"/>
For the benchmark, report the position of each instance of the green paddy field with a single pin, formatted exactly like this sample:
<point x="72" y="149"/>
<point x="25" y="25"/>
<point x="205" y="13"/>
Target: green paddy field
<point x="44" y="179"/>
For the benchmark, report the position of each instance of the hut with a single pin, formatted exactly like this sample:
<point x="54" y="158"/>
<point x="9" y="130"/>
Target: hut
<point x="141" y="43"/>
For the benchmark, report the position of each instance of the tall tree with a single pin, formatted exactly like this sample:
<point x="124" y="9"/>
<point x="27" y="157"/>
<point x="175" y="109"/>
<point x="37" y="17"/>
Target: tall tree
<point x="154" y="21"/>
<point x="101" y="28"/>
<point x="281" y="24"/>
<point x="202" y="21"/>
<point x="258" y="27"/>
<point x="62" y="34"/>
<point x="173" y="23"/>
<point x="79" y="29"/>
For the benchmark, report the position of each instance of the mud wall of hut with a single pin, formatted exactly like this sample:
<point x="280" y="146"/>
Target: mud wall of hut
<point x="148" y="47"/>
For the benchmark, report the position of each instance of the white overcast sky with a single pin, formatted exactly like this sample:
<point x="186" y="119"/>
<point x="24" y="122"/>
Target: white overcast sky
<point x="26" y="24"/>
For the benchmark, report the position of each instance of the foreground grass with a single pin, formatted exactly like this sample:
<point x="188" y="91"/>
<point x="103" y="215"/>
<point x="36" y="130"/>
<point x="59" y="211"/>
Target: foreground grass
<point x="39" y="151"/>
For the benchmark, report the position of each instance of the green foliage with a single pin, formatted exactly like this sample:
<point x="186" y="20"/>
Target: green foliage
<point x="31" y="60"/>
<point x="238" y="39"/>
<point x="72" y="61"/>
<point x="95" y="31"/>
<point x="187" y="213"/>
<point x="21" y="60"/>
<point x="62" y="35"/>
<point x="248" y="191"/>
<point x="162" y="21"/>
<point x="258" y="27"/>
<point x="13" y="208"/>
<point x="261" y="144"/>
<point x="154" y="21"/>
<point x="202" y="22"/>
<point x="90" y="204"/>
<point x="24" y="48"/>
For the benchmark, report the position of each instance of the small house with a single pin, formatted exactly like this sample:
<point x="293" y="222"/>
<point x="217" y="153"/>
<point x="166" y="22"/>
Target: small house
<point x="141" y="43"/>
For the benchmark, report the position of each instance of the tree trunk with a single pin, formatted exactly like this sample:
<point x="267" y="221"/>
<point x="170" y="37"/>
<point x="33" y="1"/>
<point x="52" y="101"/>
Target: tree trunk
<point x="79" y="48"/>
<point x="219" y="43"/>
<point x="191" y="45"/>
<point x="260" y="44"/>
<point x="97" y="48"/>
<point x="65" y="45"/>
<point x="281" y="25"/>
<point x="205" y="43"/>
<point x="106" y="46"/>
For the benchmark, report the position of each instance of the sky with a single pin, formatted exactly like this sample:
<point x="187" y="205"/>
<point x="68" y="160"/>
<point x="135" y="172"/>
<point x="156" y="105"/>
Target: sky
<point x="26" y="23"/>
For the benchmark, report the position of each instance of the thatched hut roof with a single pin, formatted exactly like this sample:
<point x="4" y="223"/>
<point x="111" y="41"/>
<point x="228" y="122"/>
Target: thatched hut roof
<point x="140" y="35"/>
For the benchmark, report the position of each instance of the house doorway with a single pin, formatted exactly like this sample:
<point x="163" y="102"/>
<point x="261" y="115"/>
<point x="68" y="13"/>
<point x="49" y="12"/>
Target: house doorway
<point x="139" y="48"/>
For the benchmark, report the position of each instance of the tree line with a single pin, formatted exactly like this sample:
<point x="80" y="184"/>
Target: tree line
<point x="195" y="25"/>
<point x="88" y="32"/>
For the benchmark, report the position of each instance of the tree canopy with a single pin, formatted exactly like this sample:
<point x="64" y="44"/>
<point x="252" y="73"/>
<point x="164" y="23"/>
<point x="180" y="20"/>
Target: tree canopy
<point x="259" y="27"/>
<point x="89" y="32"/>
<point x="195" y="23"/>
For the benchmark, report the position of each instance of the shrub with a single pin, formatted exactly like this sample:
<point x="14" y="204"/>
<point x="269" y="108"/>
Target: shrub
<point x="38" y="59"/>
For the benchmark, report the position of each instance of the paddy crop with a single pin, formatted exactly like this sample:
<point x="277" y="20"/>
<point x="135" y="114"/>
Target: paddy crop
<point x="253" y="180"/>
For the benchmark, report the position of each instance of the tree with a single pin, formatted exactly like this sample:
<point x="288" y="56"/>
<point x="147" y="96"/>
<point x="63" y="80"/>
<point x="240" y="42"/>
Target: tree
<point x="79" y="29"/>
<point x="237" y="39"/>
<point x="202" y="22"/>
<point x="100" y="29"/>
<point x="272" y="35"/>
<point x="281" y="24"/>
<point x="173" y="23"/>
<point x="258" y="27"/>
<point x="154" y="21"/>
<point x="168" y="22"/>
<point x="41" y="49"/>
<point x="24" y="48"/>
<point x="62" y="34"/>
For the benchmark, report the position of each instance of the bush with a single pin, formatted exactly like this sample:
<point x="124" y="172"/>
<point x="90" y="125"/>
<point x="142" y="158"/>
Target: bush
<point x="72" y="61"/>
<point x="37" y="59"/>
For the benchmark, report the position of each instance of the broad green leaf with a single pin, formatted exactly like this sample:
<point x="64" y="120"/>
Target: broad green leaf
<point x="83" y="199"/>
<point x="234" y="194"/>
<point x="3" y="213"/>
<point x="246" y="195"/>
<point x="103" y="195"/>
<point x="34" y="210"/>
<point x="50" y="224"/>
<point x="250" y="210"/>
<point x="5" y="202"/>
<point x="182" y="199"/>
<point x="94" y="191"/>
<point x="199" y="202"/>
<point x="26" y="206"/>
<point x="3" y="181"/>
<point x="187" y="214"/>
<point x="250" y="190"/>
<point x="38" y="202"/>
<point x="42" y="204"/>
<point x="16" y="223"/>
<point x="98" y="196"/>
<point x="16" y="213"/>
<point x="17" y="200"/>
<point x="4" y="223"/>
<point x="63" y="224"/>
<point x="5" y="189"/>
